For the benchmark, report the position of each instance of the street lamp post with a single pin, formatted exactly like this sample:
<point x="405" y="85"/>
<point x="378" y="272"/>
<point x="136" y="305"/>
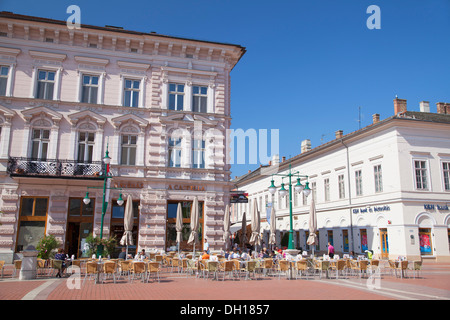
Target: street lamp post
<point x="106" y="186"/>
<point x="283" y="192"/>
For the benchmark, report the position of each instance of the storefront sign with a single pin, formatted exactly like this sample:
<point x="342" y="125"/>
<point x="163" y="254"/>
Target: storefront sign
<point x="372" y="209"/>
<point x="129" y="184"/>
<point x="434" y="207"/>
<point x="187" y="188"/>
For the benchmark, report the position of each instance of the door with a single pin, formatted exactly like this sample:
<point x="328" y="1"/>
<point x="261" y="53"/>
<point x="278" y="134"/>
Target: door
<point x="77" y="233"/>
<point x="425" y="241"/>
<point x="384" y="244"/>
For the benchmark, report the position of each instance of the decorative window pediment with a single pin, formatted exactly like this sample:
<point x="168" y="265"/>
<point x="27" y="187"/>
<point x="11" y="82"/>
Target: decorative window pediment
<point x="41" y="115"/>
<point x="189" y="118"/>
<point x="129" y="119"/>
<point x="88" y="116"/>
<point x="6" y="114"/>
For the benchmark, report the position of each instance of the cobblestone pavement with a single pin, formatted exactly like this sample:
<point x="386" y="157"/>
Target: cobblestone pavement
<point x="432" y="284"/>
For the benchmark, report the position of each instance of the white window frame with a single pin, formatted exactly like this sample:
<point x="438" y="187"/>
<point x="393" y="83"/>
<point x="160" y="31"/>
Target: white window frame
<point x="98" y="86"/>
<point x="326" y="189"/>
<point x="341" y="186"/>
<point x="129" y="147"/>
<point x="132" y="90"/>
<point x="358" y="182"/>
<point x="445" y="173"/>
<point x="378" y="178"/>
<point x="45" y="82"/>
<point x="41" y="142"/>
<point x="427" y="174"/>
<point x="173" y="150"/>
<point x="7" y="77"/>
<point x="8" y="59"/>
<point x="86" y="143"/>
<point x="176" y="93"/>
<point x="47" y="62"/>
<point x="201" y="96"/>
<point x="201" y="151"/>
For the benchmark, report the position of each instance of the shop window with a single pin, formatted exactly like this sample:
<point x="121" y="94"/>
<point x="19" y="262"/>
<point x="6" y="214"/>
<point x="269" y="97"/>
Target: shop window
<point x="117" y="229"/>
<point x="171" y="236"/>
<point x="32" y="219"/>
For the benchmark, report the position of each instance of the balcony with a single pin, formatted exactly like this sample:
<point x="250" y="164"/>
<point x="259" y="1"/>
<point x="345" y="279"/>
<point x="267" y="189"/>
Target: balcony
<point x="50" y="168"/>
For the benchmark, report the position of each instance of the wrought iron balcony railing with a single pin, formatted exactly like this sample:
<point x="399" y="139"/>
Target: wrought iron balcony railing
<point x="29" y="167"/>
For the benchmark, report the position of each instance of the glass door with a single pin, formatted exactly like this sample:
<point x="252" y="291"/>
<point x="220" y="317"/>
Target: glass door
<point x="384" y="244"/>
<point x="425" y="241"/>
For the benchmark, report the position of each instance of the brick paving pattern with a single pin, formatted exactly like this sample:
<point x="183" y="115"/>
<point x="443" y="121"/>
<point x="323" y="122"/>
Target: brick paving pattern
<point x="434" y="283"/>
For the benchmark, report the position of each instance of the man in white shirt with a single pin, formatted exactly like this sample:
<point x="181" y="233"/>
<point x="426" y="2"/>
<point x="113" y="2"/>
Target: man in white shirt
<point x="206" y="246"/>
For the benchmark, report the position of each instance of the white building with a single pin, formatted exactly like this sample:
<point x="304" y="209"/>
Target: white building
<point x="385" y="187"/>
<point x="160" y="104"/>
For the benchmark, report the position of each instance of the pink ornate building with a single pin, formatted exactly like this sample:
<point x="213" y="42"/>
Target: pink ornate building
<point x="160" y="104"/>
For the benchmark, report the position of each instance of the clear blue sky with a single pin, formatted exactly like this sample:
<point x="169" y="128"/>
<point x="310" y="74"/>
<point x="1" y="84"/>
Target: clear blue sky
<point x="309" y="65"/>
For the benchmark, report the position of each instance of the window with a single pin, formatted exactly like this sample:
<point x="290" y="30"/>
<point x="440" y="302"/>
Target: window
<point x="358" y="182"/>
<point x="176" y="96"/>
<point x="199" y="99"/>
<point x="40" y="141"/>
<point x="90" y="89"/>
<point x="171" y="232"/>
<point x="341" y="186"/>
<point x="175" y="152"/>
<point x="326" y="189"/>
<point x="33" y="215"/>
<point x="131" y="93"/>
<point x="85" y="146"/>
<point x="4" y="71"/>
<point x="45" y="84"/>
<point x="128" y="154"/>
<point x="378" y="178"/>
<point x="314" y="190"/>
<point x="198" y="154"/>
<point x="77" y="208"/>
<point x="446" y="173"/>
<point x="420" y="167"/>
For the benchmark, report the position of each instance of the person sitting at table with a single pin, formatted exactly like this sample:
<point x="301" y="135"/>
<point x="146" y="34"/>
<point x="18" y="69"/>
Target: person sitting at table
<point x="235" y="254"/>
<point x="245" y="255"/>
<point x="205" y="255"/>
<point x="123" y="254"/>
<point x="61" y="256"/>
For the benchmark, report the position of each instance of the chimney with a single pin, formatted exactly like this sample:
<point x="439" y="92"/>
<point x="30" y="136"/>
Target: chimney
<point x="443" y="108"/>
<point x="249" y="171"/>
<point x="339" y="134"/>
<point x="283" y="159"/>
<point x="399" y="105"/>
<point x="306" y="145"/>
<point x="424" y="106"/>
<point x="376" y="118"/>
<point x="276" y="159"/>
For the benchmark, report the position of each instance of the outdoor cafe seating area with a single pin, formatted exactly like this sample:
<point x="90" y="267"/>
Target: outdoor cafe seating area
<point x="157" y="266"/>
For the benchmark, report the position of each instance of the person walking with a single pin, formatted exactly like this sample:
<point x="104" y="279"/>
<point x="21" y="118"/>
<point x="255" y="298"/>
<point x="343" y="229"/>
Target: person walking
<point x="330" y="250"/>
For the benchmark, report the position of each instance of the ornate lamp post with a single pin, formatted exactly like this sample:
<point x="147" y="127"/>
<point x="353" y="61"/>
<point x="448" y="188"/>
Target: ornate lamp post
<point x="106" y="187"/>
<point x="283" y="192"/>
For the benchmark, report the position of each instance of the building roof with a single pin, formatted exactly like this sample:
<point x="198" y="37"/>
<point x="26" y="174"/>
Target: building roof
<point x="404" y="116"/>
<point x="11" y="15"/>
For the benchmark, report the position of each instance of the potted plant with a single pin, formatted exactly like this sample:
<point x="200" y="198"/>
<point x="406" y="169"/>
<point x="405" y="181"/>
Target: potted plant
<point x="108" y="244"/>
<point x="46" y="245"/>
